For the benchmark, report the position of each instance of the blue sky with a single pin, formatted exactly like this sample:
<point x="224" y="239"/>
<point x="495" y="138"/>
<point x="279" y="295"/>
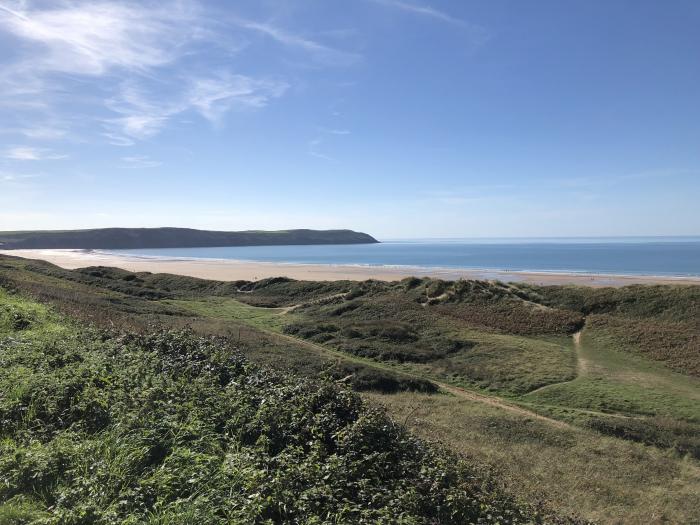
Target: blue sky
<point x="402" y="118"/>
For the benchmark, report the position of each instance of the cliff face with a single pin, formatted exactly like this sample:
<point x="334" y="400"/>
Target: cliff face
<point x="126" y="238"/>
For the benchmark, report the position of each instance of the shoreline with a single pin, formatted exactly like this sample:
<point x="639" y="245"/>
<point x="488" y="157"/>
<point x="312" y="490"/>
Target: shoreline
<point x="232" y="270"/>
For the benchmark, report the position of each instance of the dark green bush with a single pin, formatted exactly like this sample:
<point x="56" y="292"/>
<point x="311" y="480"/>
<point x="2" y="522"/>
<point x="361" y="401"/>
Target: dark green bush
<point x="363" y="378"/>
<point x="661" y="432"/>
<point x="173" y="428"/>
<point x="20" y="320"/>
<point x="16" y="318"/>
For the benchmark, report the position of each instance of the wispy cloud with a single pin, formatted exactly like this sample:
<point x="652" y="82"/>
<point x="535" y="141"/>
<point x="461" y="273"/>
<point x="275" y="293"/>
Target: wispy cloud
<point x="132" y="59"/>
<point x="315" y="144"/>
<point x="320" y="52"/>
<point x="91" y="38"/>
<point x="140" y="162"/>
<point x="214" y="96"/>
<point x="36" y="132"/>
<point x="478" y="35"/>
<point x="142" y="115"/>
<point x="422" y="10"/>
<point x="314" y="150"/>
<point x="47" y="132"/>
<point x="16" y="177"/>
<point x="336" y="131"/>
<point x="29" y="153"/>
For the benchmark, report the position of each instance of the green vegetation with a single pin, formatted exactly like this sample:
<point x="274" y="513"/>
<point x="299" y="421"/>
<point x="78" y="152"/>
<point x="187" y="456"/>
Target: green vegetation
<point x="606" y="479"/>
<point x="661" y="323"/>
<point x="230" y="309"/>
<point x="549" y="387"/>
<point x="122" y="238"/>
<point x="104" y="427"/>
<point x="457" y="332"/>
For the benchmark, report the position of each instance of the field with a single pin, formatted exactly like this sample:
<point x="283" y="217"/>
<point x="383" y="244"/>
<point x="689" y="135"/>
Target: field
<point x="585" y="401"/>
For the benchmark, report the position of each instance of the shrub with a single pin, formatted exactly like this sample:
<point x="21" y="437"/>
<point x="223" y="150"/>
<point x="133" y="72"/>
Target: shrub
<point x="661" y="432"/>
<point x="192" y="431"/>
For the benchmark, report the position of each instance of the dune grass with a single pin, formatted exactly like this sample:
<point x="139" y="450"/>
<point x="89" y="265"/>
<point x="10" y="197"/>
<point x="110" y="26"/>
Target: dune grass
<point x="231" y="309"/>
<point x="630" y="454"/>
<point x="608" y="480"/>
<point x="172" y="428"/>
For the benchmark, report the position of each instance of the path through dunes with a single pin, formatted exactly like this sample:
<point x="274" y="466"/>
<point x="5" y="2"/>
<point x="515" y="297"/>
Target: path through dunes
<point x="256" y="317"/>
<point x="582" y="364"/>
<point x="463" y="393"/>
<point x="610" y="437"/>
<point x="604" y="379"/>
<point x="614" y="383"/>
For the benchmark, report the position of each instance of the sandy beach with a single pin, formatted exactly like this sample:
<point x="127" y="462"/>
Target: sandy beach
<point x="230" y="270"/>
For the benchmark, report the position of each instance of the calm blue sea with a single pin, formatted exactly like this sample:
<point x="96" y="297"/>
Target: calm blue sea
<point x="678" y="256"/>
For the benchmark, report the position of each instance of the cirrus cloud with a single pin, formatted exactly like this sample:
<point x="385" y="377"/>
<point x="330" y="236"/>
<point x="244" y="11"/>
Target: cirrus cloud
<point x="30" y="153"/>
<point x="126" y="67"/>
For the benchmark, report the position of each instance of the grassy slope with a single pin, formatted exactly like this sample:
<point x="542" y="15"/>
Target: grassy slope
<point x="605" y="479"/>
<point x="661" y="323"/>
<point x="170" y="428"/>
<point x="609" y="478"/>
<point x="467" y="344"/>
<point x="618" y="382"/>
<point x="607" y="398"/>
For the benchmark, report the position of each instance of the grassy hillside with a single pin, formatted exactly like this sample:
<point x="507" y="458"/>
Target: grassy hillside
<point x="108" y="427"/>
<point x="516" y="377"/>
<point x="658" y="322"/>
<point x="123" y="238"/>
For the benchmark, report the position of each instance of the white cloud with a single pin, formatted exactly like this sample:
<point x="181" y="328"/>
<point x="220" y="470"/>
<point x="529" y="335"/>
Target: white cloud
<point x="422" y="10"/>
<point x="213" y="96"/>
<point x="140" y="161"/>
<point x="29" y="153"/>
<point x="116" y="139"/>
<point x="43" y="132"/>
<point x="16" y="177"/>
<point x="314" y="145"/>
<point x="140" y="116"/>
<point x="36" y="132"/>
<point x="314" y="150"/>
<point x="91" y="38"/>
<point x="143" y="116"/>
<point x="130" y="58"/>
<point x="321" y="53"/>
<point x="142" y="125"/>
<point x="477" y="34"/>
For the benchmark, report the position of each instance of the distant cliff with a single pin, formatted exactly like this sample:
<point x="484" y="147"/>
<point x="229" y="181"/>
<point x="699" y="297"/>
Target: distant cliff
<point x="126" y="238"/>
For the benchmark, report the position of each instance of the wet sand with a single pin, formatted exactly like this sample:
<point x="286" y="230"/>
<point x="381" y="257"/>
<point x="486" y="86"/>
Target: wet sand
<point x="229" y="270"/>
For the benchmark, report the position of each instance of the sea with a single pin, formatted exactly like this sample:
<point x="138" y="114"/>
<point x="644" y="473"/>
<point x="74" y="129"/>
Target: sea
<point x="658" y="256"/>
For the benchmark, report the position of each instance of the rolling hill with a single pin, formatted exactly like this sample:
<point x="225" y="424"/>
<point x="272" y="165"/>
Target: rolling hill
<point x="582" y="400"/>
<point x="130" y="238"/>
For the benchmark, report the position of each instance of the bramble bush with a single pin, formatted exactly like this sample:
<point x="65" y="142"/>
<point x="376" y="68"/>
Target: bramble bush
<point x="171" y="428"/>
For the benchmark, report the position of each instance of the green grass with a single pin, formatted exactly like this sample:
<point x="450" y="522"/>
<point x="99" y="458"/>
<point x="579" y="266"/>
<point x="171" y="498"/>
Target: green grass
<point x="661" y="323"/>
<point x="171" y="428"/>
<point x="614" y="381"/>
<point x="613" y="397"/>
<point x="230" y="309"/>
<point x="672" y="343"/>
<point x="509" y="365"/>
<point x="608" y="480"/>
<point x="23" y="318"/>
<point x="629" y="454"/>
<point x="454" y="338"/>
